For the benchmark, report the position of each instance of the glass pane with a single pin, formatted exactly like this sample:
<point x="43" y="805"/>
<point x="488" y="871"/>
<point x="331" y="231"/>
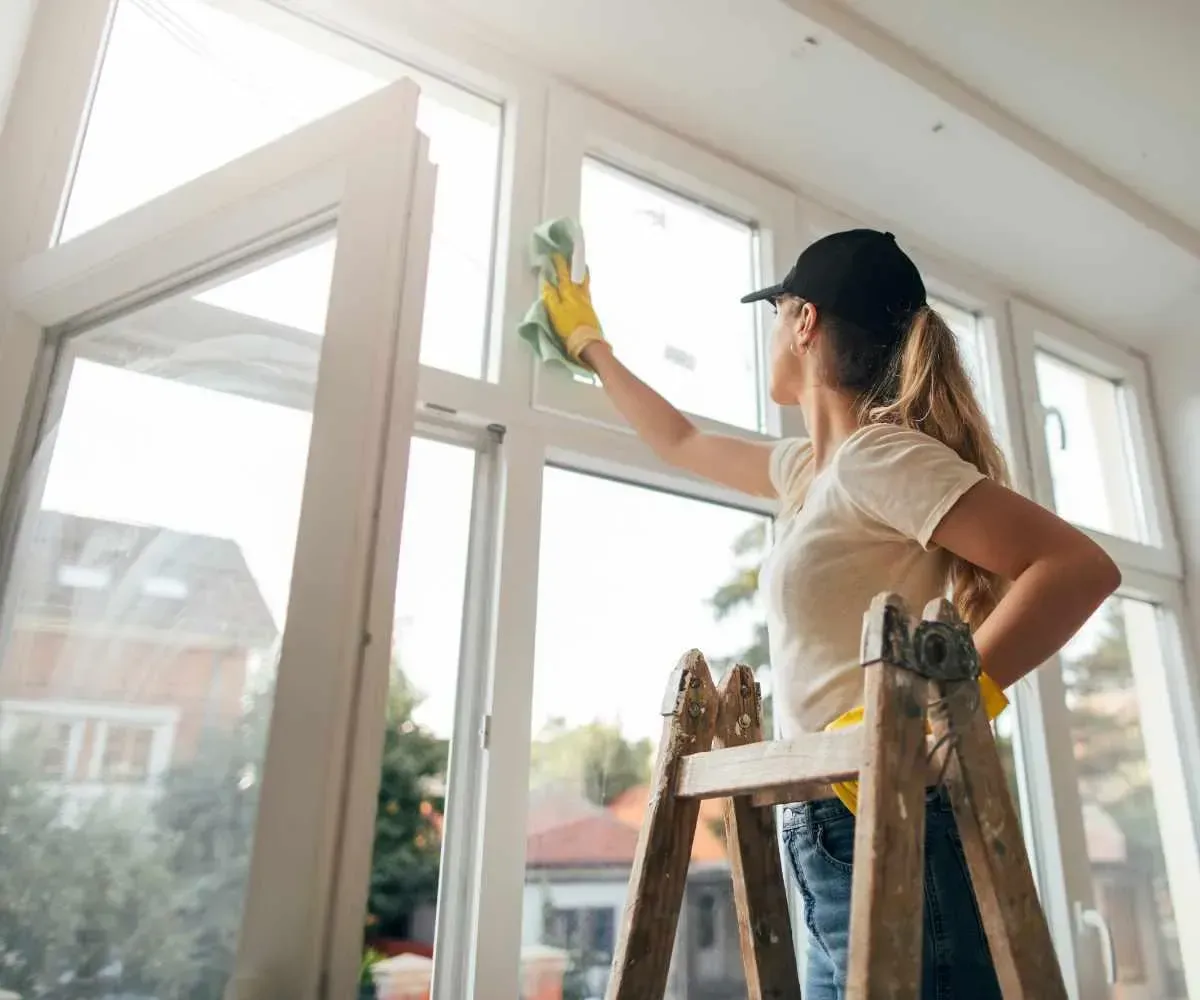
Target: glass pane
<point x="430" y="589"/>
<point x="608" y="638"/>
<point x="1127" y="762"/>
<point x="667" y="277"/>
<point x="141" y="624"/>
<point x="1088" y="441"/>
<point x="967" y="331"/>
<point x="1004" y="729"/>
<point x="185" y="88"/>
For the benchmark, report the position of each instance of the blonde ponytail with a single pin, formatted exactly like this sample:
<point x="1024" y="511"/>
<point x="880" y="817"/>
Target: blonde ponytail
<point x="928" y="389"/>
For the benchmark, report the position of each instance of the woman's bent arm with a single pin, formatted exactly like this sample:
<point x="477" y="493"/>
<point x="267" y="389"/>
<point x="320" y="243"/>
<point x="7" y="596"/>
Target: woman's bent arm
<point x="1059" y="576"/>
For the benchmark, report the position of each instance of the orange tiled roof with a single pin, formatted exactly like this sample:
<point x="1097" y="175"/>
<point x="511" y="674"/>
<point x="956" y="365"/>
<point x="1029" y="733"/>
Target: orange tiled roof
<point x="630" y="807"/>
<point x="566" y="831"/>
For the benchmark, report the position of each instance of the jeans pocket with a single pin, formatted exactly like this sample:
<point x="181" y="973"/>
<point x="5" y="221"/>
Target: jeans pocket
<point x="834" y="843"/>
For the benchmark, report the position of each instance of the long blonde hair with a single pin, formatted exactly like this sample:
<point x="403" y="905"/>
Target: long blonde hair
<point x="922" y="383"/>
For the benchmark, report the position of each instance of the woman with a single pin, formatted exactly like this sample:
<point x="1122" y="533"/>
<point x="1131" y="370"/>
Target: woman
<point x="899" y="486"/>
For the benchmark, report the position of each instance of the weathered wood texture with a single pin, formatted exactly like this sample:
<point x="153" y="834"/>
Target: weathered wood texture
<point x="1017" y="932"/>
<point x="656" y="883"/>
<point x="782" y="795"/>
<point x="817" y="758"/>
<point x="764" y="925"/>
<point x="889" y="841"/>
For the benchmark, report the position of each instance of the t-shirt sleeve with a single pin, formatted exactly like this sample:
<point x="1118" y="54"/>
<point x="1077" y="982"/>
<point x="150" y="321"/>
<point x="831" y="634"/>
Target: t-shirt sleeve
<point x="788" y="459"/>
<point x="903" y="478"/>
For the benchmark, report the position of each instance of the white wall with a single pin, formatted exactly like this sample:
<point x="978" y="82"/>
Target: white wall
<point x="1175" y="378"/>
<point x="15" y="18"/>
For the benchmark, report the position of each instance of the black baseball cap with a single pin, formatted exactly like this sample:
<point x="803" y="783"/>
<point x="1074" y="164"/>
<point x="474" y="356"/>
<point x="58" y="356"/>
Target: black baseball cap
<point x="859" y="275"/>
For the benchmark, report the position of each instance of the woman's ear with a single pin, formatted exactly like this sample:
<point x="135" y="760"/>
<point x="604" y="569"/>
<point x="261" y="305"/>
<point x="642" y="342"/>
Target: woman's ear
<point x="805" y="326"/>
<point x="808" y="318"/>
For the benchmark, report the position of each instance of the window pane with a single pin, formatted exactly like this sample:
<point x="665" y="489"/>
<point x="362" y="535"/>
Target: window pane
<point x="1132" y="795"/>
<point x="659" y="575"/>
<point x="420" y="712"/>
<point x="1087" y="436"/>
<point x="967" y="331"/>
<point x="1004" y="729"/>
<point x="185" y="88"/>
<point x="667" y="277"/>
<point x="140" y="623"/>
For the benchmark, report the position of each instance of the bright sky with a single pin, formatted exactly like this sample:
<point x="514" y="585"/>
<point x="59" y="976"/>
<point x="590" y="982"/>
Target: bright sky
<point x="696" y="342"/>
<point x="186" y="89"/>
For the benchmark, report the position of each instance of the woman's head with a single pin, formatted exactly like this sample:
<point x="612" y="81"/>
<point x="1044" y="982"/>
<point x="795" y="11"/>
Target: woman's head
<point x="852" y="319"/>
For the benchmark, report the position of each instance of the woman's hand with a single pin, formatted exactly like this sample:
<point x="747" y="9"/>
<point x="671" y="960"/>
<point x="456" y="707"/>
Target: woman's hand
<point x="571" y="312"/>
<point x="743" y="465"/>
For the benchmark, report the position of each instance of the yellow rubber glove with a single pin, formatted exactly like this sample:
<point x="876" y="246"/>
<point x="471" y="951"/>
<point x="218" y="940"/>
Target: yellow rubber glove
<point x="994" y="702"/>
<point x="570" y="309"/>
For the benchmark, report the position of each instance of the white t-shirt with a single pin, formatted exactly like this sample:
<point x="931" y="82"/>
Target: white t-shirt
<point x="858" y="527"/>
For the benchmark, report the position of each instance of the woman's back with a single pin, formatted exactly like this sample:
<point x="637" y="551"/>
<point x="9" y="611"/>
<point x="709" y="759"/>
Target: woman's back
<point x="859" y="526"/>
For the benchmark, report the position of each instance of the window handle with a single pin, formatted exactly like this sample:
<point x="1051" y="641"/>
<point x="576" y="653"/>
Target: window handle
<point x="1054" y="413"/>
<point x="1093" y="919"/>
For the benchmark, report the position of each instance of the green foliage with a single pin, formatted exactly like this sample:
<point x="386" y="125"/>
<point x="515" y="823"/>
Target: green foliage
<point x="594" y="760"/>
<point x="404" y="873"/>
<point x="86" y="908"/>
<point x="370" y="957"/>
<point x="146" y="901"/>
<point x="739" y="592"/>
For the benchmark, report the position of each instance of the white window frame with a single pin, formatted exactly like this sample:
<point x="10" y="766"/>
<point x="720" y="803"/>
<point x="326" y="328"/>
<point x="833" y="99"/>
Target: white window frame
<point x="365" y="168"/>
<point x="1064" y="866"/>
<point x="36" y="152"/>
<point x="580" y="127"/>
<point x="1152" y="572"/>
<point x="1037" y="330"/>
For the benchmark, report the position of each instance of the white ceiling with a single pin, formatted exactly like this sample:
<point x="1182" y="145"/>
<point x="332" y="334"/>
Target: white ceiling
<point x="1057" y="150"/>
<point x="1117" y="83"/>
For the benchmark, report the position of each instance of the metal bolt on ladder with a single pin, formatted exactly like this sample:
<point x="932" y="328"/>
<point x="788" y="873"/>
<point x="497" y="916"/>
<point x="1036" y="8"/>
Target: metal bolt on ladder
<point x="920" y="675"/>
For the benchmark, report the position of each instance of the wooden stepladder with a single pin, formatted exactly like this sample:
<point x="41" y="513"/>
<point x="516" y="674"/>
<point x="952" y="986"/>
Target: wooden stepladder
<point x="924" y="723"/>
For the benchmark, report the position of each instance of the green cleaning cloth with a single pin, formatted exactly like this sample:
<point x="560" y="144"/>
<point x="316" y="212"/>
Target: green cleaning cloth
<point x="557" y="236"/>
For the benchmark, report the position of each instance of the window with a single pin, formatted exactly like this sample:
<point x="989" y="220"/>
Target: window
<point x="43" y="742"/>
<point x="126" y="755"/>
<point x="53" y="741"/>
<point x="667" y="278"/>
<point x="967" y="330"/>
<point x="167" y="587"/>
<point x="591" y="930"/>
<point x="186" y="87"/>
<point x="180" y="455"/>
<point x="659" y="575"/>
<point x="420" y="713"/>
<point x="84" y="577"/>
<point x="1127" y="764"/>
<point x="1087" y="436"/>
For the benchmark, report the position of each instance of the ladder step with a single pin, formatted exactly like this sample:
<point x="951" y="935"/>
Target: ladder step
<point x="780" y="771"/>
<point x="755" y="767"/>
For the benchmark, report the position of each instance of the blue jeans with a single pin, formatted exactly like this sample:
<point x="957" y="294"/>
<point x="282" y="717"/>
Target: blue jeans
<point x="955" y="962"/>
